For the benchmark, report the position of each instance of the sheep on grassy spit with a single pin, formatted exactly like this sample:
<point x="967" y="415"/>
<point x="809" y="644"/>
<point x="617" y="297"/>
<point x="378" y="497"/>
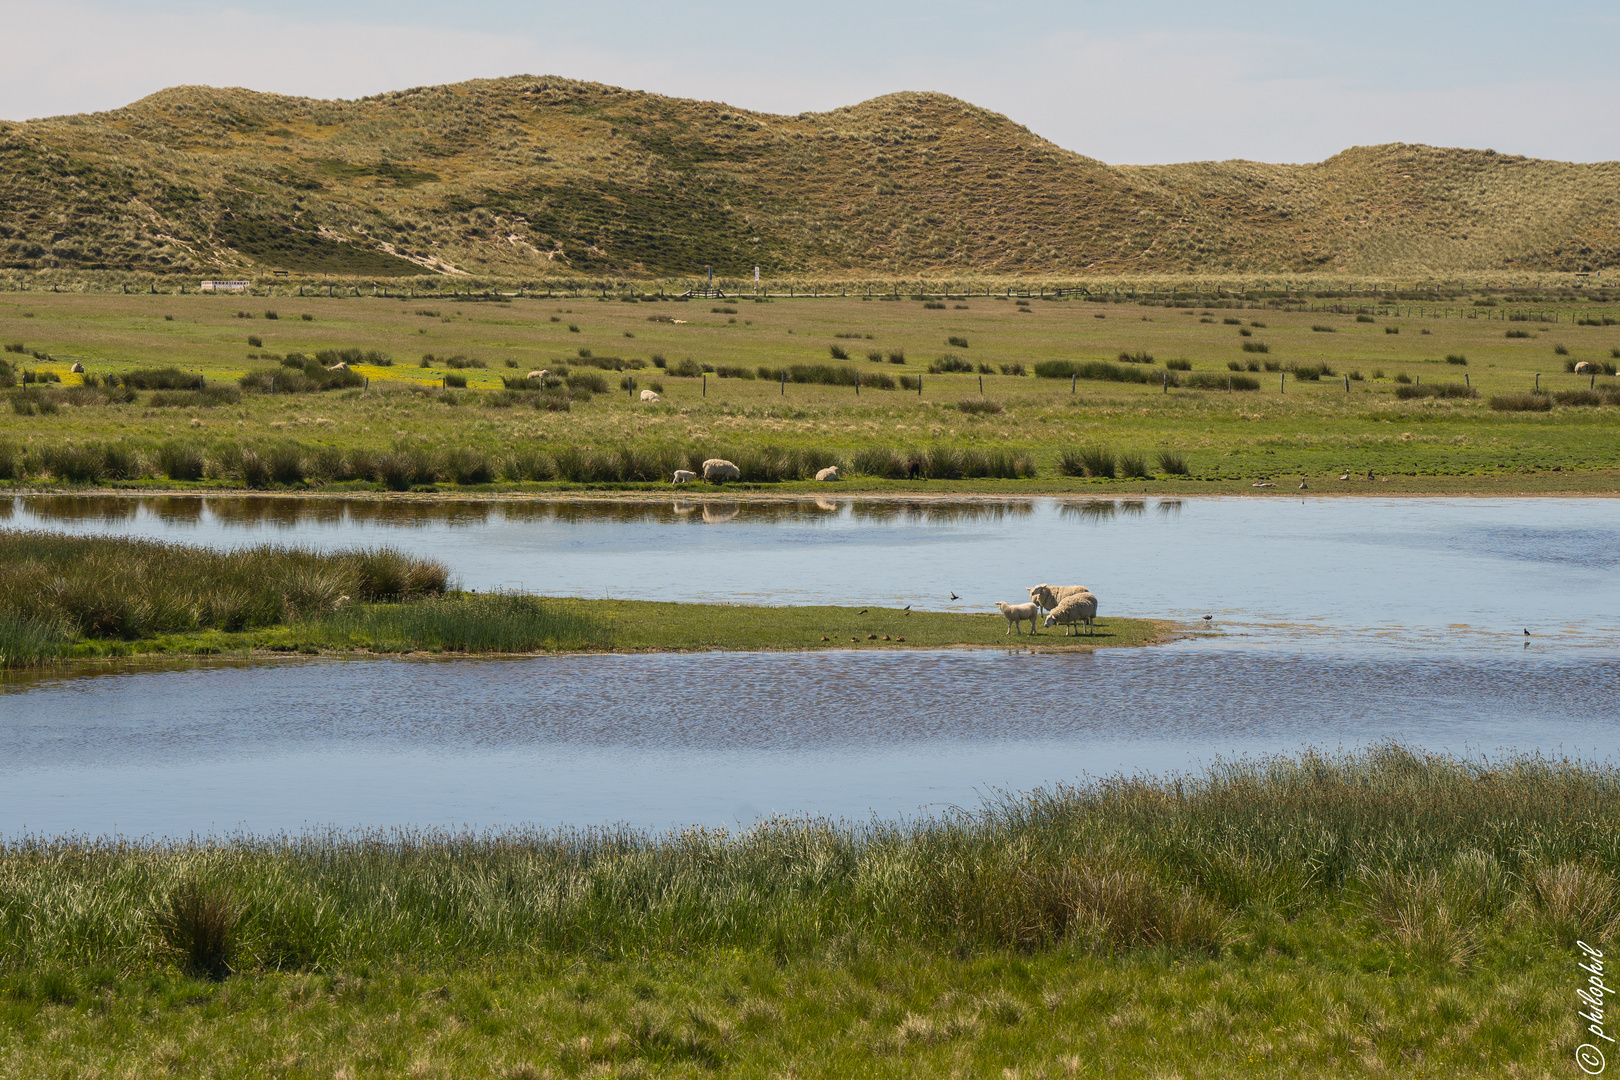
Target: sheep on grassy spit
<point x="1048" y="597"/>
<point x="684" y="476"/>
<point x="1073" y="609"/>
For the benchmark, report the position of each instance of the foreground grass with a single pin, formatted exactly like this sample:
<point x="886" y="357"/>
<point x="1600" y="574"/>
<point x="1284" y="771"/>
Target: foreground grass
<point x="407" y="432"/>
<point x="1386" y="913"/>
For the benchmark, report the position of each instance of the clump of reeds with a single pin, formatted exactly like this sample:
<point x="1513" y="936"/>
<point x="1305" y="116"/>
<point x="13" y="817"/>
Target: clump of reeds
<point x="1172" y="462"/>
<point x="979" y="407"/>
<point x="1096" y="461"/>
<point x="949" y="363"/>
<point x="54" y="587"/>
<point x="1178" y="365"/>
<point x="1435" y="390"/>
<point x="198" y="925"/>
<point x="957" y="342"/>
<point x="1131" y="464"/>
<point x="1521" y="402"/>
<point x="1457" y="359"/>
<point x="838" y="352"/>
<point x="467" y="622"/>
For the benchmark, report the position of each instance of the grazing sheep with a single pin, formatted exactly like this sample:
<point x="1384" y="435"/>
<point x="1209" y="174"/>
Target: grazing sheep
<point x="829" y="473"/>
<point x="1075" y="608"/>
<point x="539" y="376"/>
<point x="719" y="470"/>
<point x="684" y="476"/>
<point x="1017" y="613"/>
<point x="77" y="368"/>
<point x="1583" y="368"/>
<point x="339" y="366"/>
<point x="649" y="396"/>
<point x="1047" y="597"/>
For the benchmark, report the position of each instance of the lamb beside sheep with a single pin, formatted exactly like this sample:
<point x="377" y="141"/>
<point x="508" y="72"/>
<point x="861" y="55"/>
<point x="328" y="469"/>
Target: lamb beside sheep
<point x="684" y="476"/>
<point x="1072" y="609"/>
<point x="1048" y="597"/>
<point x="1018" y="613"/>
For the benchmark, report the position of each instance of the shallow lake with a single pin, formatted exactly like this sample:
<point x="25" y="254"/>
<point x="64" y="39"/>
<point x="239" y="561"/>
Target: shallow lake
<point x="1340" y="622"/>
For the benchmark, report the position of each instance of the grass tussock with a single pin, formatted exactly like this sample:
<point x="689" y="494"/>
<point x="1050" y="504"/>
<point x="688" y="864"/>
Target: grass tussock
<point x="56" y="588"/>
<point x="1520" y="402"/>
<point x="461" y="623"/>
<point x="1435" y="390"/>
<point x="1091" y="461"/>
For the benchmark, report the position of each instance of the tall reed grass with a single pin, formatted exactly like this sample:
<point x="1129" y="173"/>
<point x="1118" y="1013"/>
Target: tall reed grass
<point x="1433" y="849"/>
<point x="464" y="622"/>
<point x="54" y="588"/>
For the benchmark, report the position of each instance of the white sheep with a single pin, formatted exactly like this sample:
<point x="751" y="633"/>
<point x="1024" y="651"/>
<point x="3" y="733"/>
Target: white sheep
<point x="719" y="470"/>
<point x="829" y="473"/>
<point x="1018" y="613"/>
<point x="649" y="396"/>
<point x="1583" y="368"/>
<point x="77" y="368"/>
<point x="684" y="476"/>
<point x="538" y="376"/>
<point x="1074" y="608"/>
<point x="1048" y="597"/>
<point x="339" y="366"/>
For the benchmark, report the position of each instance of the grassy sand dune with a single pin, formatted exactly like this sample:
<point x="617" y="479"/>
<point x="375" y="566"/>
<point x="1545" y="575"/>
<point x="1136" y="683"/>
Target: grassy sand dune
<point x="530" y="177"/>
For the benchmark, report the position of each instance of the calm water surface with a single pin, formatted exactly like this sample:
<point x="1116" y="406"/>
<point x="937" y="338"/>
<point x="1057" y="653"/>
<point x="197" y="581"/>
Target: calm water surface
<point x="1345" y="622"/>
<point x="1446" y="573"/>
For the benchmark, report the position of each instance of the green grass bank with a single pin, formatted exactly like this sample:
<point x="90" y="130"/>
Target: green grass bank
<point x="65" y="598"/>
<point x="1383" y="913"/>
<point x="207" y="393"/>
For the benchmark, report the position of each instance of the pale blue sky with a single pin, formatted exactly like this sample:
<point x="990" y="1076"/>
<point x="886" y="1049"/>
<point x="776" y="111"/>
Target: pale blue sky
<point x="1175" y="81"/>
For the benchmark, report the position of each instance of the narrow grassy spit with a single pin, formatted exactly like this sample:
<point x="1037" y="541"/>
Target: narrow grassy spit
<point x="65" y="597"/>
<point x="1384" y="911"/>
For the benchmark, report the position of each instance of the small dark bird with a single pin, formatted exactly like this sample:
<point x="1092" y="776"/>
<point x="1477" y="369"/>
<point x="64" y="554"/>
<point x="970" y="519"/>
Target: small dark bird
<point x="955" y="597"/>
<point x="907" y="609"/>
<point x="1207" y="618"/>
<point x="1527" y="633"/>
<point x="862" y="611"/>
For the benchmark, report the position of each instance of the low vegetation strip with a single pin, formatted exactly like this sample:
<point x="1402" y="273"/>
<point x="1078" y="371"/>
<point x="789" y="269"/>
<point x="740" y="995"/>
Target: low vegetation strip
<point x="66" y="597"/>
<point x="1222" y="922"/>
<point x="56" y="589"/>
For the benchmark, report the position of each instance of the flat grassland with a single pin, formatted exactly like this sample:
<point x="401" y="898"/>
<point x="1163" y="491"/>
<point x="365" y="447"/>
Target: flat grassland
<point x="1387" y="914"/>
<point x="1302" y="423"/>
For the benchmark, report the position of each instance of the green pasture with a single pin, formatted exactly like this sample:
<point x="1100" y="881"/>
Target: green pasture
<point x="1287" y="430"/>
